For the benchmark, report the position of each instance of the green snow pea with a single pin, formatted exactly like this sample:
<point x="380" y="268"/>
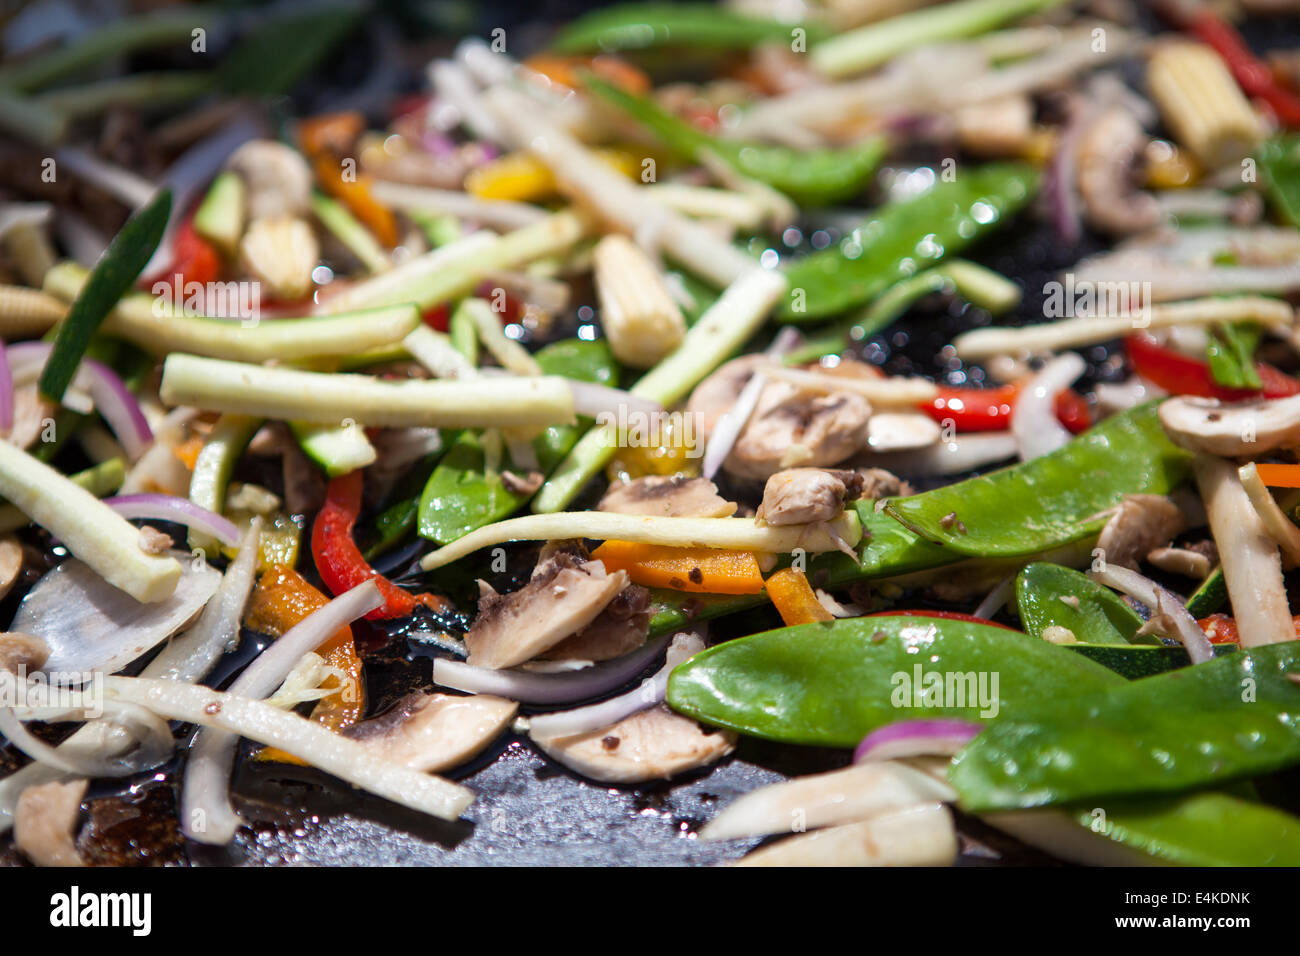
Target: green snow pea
<point x="641" y="26"/>
<point x="904" y="237"/>
<point x="460" y="497"/>
<point x="1200" y="829"/>
<point x="1231" y="718"/>
<point x="1052" y="500"/>
<point x="1049" y="595"/>
<point x="397" y="522"/>
<point x="831" y="684"/>
<point x="814" y="177"/>
<point x="1279" y="159"/>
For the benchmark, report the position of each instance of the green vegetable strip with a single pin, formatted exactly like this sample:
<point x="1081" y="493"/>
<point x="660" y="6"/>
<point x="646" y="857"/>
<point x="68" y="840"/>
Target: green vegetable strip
<point x="1051" y="500"/>
<point x="905" y="236"/>
<point x="1230" y="718"/>
<point x="642" y="26"/>
<point x="100" y="480"/>
<point x="460" y="496"/>
<point x="119" y="267"/>
<point x="151" y="91"/>
<point x="345" y="227"/>
<point x="873" y="44"/>
<point x="1230" y="353"/>
<point x="721" y="331"/>
<point x="214" y="466"/>
<point x="1279" y="161"/>
<point x="809" y="177"/>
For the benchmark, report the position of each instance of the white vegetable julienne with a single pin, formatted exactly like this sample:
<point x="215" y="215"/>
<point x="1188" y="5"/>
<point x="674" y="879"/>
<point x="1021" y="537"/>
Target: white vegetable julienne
<point x="1091" y="330"/>
<point x="893" y="391"/>
<point x="512" y="356"/>
<point x="1282" y="529"/>
<point x="435" y="352"/>
<point x="90" y="529"/>
<point x="1164" y="605"/>
<point x="206" y="813"/>
<point x="740" y="534"/>
<point x="583" y="720"/>
<point x="919" y="835"/>
<point x="956" y="456"/>
<point x="496" y="213"/>
<point x="1033" y="419"/>
<point x="290" y="394"/>
<point x="307" y="740"/>
<point x="718" y="334"/>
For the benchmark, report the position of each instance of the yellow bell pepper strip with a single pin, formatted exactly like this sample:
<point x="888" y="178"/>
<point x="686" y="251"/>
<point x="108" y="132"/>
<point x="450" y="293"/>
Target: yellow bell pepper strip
<point x="793" y="598"/>
<point x="702" y="570"/>
<point x="521" y="177"/>
<point x="282" y="599"/>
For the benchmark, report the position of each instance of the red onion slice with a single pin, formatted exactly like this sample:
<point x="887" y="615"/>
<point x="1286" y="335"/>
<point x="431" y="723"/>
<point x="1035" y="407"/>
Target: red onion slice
<point x="1160" y="601"/>
<point x="941" y="736"/>
<point x="179" y="510"/>
<point x="530" y="687"/>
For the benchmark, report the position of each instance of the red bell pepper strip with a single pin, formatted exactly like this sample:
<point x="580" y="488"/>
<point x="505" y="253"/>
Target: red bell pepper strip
<point x="194" y="259"/>
<point x="339" y="561"/>
<point x="438" y="317"/>
<point x="1182" y="375"/>
<point x="1252" y="74"/>
<point x="989" y="409"/>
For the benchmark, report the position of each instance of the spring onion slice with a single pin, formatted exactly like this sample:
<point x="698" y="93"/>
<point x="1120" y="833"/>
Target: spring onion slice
<point x="294" y="395"/>
<point x="90" y="529"/>
<point x="112" y="276"/>
<point x="737" y="534"/>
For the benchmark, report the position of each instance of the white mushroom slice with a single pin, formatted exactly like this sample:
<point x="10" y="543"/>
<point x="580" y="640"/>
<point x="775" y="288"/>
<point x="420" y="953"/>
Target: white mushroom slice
<point x="619" y="629"/>
<point x="91" y="625"/>
<point x="11" y="562"/>
<point x="1140" y="524"/>
<point x="1247" y="428"/>
<point x="922" y="835"/>
<point x="435" y="732"/>
<point x="1184" y="561"/>
<point x="45" y="823"/>
<point x="277" y="177"/>
<point x="820" y="800"/>
<point x="791" y="427"/>
<point x="21" y="652"/>
<point x="804" y="495"/>
<point x="675" y="496"/>
<point x="563" y="597"/>
<point x="901" y="431"/>
<point x="652" y="744"/>
<point x="1252" y="568"/>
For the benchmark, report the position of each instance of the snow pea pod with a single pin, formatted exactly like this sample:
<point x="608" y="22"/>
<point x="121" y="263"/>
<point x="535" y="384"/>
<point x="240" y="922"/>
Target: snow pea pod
<point x="1279" y="160"/>
<point x="1052" y="500"/>
<point x="906" y="236"/>
<point x="642" y="26"/>
<point x="1049" y="595"/>
<point x="1234" y="717"/>
<point x="814" y="177"/>
<point x="830" y="684"/>
<point x="460" y="496"/>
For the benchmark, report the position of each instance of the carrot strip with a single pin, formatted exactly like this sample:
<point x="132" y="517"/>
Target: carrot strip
<point x="794" y="599"/>
<point x="700" y="570"/>
<point x="1279" y="476"/>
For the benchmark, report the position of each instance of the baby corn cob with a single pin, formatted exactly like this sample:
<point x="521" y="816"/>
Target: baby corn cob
<point x="27" y="312"/>
<point x="641" y="320"/>
<point x="1202" y="104"/>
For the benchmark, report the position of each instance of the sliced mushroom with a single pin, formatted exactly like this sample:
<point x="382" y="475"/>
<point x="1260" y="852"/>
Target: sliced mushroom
<point x="1184" y="561"/>
<point x="277" y="177"/>
<point x="435" y="732"/>
<point x="31" y="416"/>
<point x="901" y="431"/>
<point x="652" y="744"/>
<point x="11" y="562"/>
<point x="622" y="627"/>
<point x="792" y="428"/>
<point x="879" y="483"/>
<point x="45" y="822"/>
<point x="22" y="652"/>
<point x="1107" y="154"/>
<point x="1140" y="524"/>
<point x="1243" y="429"/>
<point x="564" y="595"/>
<point x="805" y="495"/>
<point x="676" y="496"/>
<point x="281" y="251"/>
<point x="1001" y="127"/>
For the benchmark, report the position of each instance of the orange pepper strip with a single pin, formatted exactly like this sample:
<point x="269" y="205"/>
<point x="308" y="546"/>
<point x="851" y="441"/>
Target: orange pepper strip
<point x="188" y="451"/>
<point x="330" y="132"/>
<point x="793" y="597"/>
<point x="1279" y="476"/>
<point x="702" y="570"/>
<point x="282" y="599"/>
<point x="355" y="193"/>
<point x="567" y="71"/>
